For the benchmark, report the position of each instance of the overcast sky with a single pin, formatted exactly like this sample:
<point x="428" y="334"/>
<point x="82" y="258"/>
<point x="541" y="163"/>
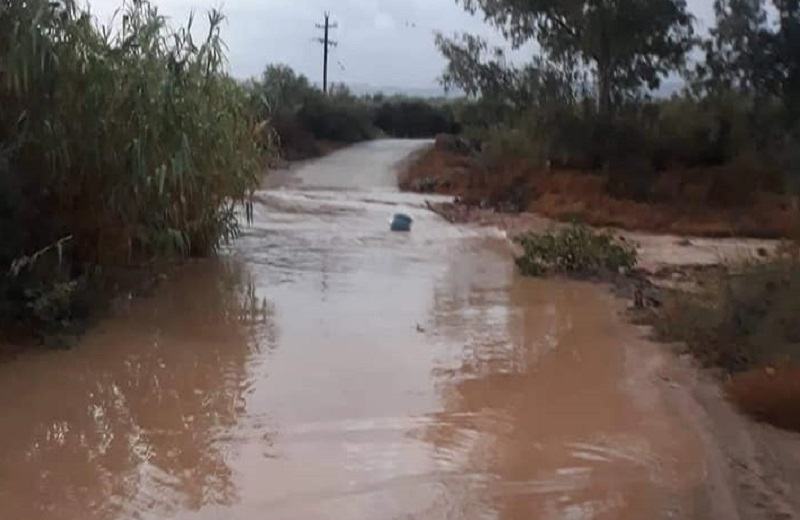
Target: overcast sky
<point x="382" y="43"/>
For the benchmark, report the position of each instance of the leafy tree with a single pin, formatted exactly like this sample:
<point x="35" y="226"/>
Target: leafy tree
<point x="627" y="44"/>
<point x="789" y="50"/>
<point x="503" y="89"/>
<point x="283" y="90"/>
<point x="750" y="54"/>
<point x="476" y="69"/>
<point x="742" y="52"/>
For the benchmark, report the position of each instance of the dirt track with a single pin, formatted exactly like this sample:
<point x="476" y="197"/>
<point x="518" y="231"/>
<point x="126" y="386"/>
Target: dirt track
<point x="327" y="368"/>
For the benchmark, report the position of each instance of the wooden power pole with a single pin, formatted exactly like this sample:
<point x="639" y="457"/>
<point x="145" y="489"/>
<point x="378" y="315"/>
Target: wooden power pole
<point x="326" y="44"/>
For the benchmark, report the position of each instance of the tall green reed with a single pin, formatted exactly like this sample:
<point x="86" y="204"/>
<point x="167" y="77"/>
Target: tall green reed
<point x="119" y="145"/>
<point x="139" y="141"/>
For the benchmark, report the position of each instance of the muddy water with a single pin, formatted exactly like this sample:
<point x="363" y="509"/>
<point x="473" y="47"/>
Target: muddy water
<point x="330" y="369"/>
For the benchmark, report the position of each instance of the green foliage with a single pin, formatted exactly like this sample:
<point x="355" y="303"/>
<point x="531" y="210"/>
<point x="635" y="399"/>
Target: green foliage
<point x="53" y="307"/>
<point x="414" y="118"/>
<point x="132" y="141"/>
<point x="584" y="103"/>
<point x="339" y="116"/>
<point x="627" y="44"/>
<point x="283" y="91"/>
<point x="510" y="143"/>
<point x="758" y="61"/>
<point x="502" y="90"/>
<point x="740" y="52"/>
<point x="724" y="138"/>
<point x="478" y="70"/>
<point x="576" y="249"/>
<point x="749" y="53"/>
<point x="302" y="115"/>
<point x="745" y="319"/>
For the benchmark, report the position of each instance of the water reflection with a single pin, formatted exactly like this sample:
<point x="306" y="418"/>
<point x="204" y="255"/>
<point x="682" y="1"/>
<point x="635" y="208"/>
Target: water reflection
<point x="417" y="377"/>
<point x="537" y="419"/>
<point x="133" y="422"/>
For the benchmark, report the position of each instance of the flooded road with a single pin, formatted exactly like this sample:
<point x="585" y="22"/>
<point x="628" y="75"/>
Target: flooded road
<point x="330" y="369"/>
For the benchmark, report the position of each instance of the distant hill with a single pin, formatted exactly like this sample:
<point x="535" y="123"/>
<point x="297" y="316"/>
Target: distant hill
<point x="362" y="89"/>
<point x="670" y="86"/>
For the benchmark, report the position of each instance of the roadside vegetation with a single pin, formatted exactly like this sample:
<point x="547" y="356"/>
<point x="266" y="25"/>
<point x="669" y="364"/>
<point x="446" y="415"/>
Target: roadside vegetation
<point x="120" y="148"/>
<point x="576" y="250"/>
<point x="627" y="116"/>
<point x="741" y="319"/>
<point x="126" y="148"/>
<point x="307" y="121"/>
<point x="744" y="321"/>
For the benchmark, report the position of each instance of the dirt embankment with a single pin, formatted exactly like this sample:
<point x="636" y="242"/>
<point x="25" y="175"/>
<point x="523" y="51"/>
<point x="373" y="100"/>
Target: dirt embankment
<point x="754" y="467"/>
<point x="678" y="202"/>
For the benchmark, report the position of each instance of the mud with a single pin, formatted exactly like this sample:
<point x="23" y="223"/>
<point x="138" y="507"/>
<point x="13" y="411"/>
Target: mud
<point x="326" y="368"/>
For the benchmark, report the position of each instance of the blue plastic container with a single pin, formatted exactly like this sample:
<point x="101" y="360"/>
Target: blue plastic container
<point x="401" y="222"/>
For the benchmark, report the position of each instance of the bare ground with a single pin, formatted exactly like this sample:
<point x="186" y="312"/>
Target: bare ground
<point x="691" y="203"/>
<point x="753" y="468"/>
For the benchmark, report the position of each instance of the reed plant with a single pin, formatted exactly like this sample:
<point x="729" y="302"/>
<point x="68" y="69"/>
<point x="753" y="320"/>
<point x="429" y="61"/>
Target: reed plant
<point x="122" y="145"/>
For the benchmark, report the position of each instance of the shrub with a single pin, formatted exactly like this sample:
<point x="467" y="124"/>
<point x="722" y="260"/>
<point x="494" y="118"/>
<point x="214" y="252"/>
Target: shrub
<point x="502" y="144"/>
<point x="734" y="146"/>
<point x="295" y="141"/>
<point x="339" y="116"/>
<point x="746" y="324"/>
<point x="301" y="114"/>
<point x="575" y="249"/>
<point x="414" y="118"/>
<point x="744" y="319"/>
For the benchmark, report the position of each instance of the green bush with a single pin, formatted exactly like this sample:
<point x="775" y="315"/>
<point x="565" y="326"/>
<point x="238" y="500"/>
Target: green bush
<point x="730" y="139"/>
<point x="575" y="249"/>
<point x="134" y="143"/>
<point x="339" y="116"/>
<point x="503" y="143"/>
<point x="414" y="118"/>
<point x="301" y="114"/>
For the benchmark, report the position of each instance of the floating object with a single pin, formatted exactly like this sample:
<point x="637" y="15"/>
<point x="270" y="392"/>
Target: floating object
<point x="401" y="222"/>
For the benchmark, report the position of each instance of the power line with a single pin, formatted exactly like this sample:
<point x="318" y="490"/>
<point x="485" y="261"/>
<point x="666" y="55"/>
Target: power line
<point x="327" y="43"/>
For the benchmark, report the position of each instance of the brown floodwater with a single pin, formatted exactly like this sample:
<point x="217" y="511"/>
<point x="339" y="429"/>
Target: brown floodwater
<point x="326" y="368"/>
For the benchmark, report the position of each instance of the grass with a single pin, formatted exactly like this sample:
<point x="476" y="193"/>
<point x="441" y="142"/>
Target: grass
<point x="744" y="319"/>
<point x="746" y="323"/>
<point x="575" y="249"/>
<point x="133" y="142"/>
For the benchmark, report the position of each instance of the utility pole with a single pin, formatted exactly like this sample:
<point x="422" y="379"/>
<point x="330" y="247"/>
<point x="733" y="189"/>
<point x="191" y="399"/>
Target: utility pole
<point x="326" y="44"/>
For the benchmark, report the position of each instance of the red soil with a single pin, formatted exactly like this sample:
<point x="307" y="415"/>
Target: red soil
<point x="682" y="201"/>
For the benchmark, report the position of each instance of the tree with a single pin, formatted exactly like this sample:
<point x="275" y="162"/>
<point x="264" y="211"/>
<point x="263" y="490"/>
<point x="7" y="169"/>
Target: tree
<point x="750" y="54"/>
<point x="741" y="53"/>
<point x="474" y="68"/>
<point x="789" y="50"/>
<point x="626" y="44"/>
<point x="283" y="90"/>
<point x="483" y="72"/>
